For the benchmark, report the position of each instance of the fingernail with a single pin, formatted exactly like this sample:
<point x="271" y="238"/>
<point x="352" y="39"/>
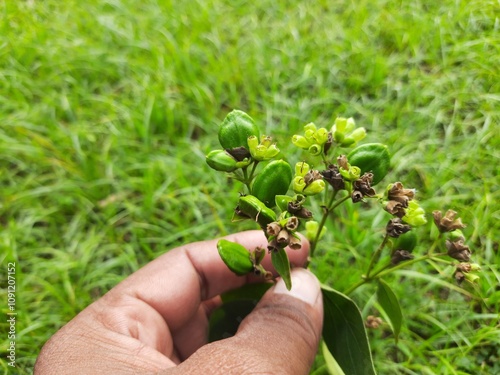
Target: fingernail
<point x="305" y="286"/>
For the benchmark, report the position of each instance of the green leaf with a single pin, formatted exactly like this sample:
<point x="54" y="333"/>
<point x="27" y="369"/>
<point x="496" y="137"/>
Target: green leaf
<point x="344" y="333"/>
<point x="282" y="266"/>
<point x="331" y="364"/>
<point x="390" y="304"/>
<point x="236" y="257"/>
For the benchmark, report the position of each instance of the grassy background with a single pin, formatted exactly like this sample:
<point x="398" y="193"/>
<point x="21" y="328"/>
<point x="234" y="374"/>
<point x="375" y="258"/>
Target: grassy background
<point x="107" y="109"/>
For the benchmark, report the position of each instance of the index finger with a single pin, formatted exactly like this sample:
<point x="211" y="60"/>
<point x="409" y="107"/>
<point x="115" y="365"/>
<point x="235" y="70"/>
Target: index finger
<point x="177" y="282"/>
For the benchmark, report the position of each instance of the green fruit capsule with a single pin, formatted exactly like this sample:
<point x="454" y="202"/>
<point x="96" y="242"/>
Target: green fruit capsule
<point x="235" y="130"/>
<point x="220" y="160"/>
<point x="371" y="157"/>
<point x="236" y="257"/>
<point x="273" y="180"/>
<point x="406" y="241"/>
<point x="252" y="207"/>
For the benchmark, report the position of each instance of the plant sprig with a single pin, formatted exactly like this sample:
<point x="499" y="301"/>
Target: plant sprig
<point x="347" y="176"/>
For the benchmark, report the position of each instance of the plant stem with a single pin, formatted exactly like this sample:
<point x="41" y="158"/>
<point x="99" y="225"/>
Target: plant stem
<point x="245" y="179"/>
<point x="323" y="156"/>
<point x="376" y="255"/>
<point x="355" y="286"/>
<point x="332" y="204"/>
<point x="252" y="172"/>
<point x="387" y="269"/>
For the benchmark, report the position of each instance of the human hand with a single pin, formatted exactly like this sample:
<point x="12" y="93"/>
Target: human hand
<point x="156" y="321"/>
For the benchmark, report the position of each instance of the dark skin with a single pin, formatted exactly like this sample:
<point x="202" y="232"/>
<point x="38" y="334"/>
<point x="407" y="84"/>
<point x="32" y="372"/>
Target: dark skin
<point x="155" y="321"/>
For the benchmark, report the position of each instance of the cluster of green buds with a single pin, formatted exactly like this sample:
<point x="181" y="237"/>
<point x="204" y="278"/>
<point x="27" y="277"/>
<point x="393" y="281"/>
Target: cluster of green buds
<point x="318" y="141"/>
<point x="265" y="150"/>
<point x="313" y="139"/>
<point x="345" y="133"/>
<point x="307" y="181"/>
<point x="450" y="226"/>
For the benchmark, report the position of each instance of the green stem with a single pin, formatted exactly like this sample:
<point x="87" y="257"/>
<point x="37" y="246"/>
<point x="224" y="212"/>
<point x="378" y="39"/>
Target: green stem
<point x="435" y="243"/>
<point x="385" y="271"/>
<point x="245" y="178"/>
<point x="376" y="255"/>
<point x="325" y="161"/>
<point x="332" y="204"/>
<point x="388" y="268"/>
<point x="252" y="172"/>
<point x="355" y="286"/>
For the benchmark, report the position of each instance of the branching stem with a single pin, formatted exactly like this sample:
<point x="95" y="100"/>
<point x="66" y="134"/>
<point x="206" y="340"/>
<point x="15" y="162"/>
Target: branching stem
<point x="389" y="268"/>
<point x="332" y="204"/>
<point x="376" y="255"/>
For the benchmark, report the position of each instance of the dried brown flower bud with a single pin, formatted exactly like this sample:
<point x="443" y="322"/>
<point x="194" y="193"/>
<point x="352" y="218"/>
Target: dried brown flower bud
<point x="362" y="187"/>
<point x="457" y="250"/>
<point x="312" y="176"/>
<point x="273" y="246"/>
<point x="464" y="267"/>
<point x="363" y="184"/>
<point x="296" y="208"/>
<point x="257" y="256"/>
<point x="395" y="208"/>
<point x="292" y="223"/>
<point x="261" y="271"/>
<point x="342" y="162"/>
<point x="401" y="256"/>
<point x="459" y="276"/>
<point x="304" y="213"/>
<point x="273" y="228"/>
<point x="239" y="153"/>
<point x="395" y="227"/>
<point x="399" y="194"/>
<point x="373" y="321"/>
<point x="333" y="177"/>
<point x="356" y="196"/>
<point x="293" y="207"/>
<point x="295" y="243"/>
<point x="447" y="223"/>
<point x="283" y="237"/>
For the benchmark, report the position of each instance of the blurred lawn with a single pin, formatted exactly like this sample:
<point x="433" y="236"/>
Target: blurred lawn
<point x="107" y="109"/>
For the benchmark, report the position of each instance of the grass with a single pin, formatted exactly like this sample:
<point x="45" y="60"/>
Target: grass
<point x="108" y="108"/>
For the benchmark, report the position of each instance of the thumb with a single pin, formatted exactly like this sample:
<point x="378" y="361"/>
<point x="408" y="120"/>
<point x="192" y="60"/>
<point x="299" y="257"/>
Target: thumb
<point x="280" y="336"/>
